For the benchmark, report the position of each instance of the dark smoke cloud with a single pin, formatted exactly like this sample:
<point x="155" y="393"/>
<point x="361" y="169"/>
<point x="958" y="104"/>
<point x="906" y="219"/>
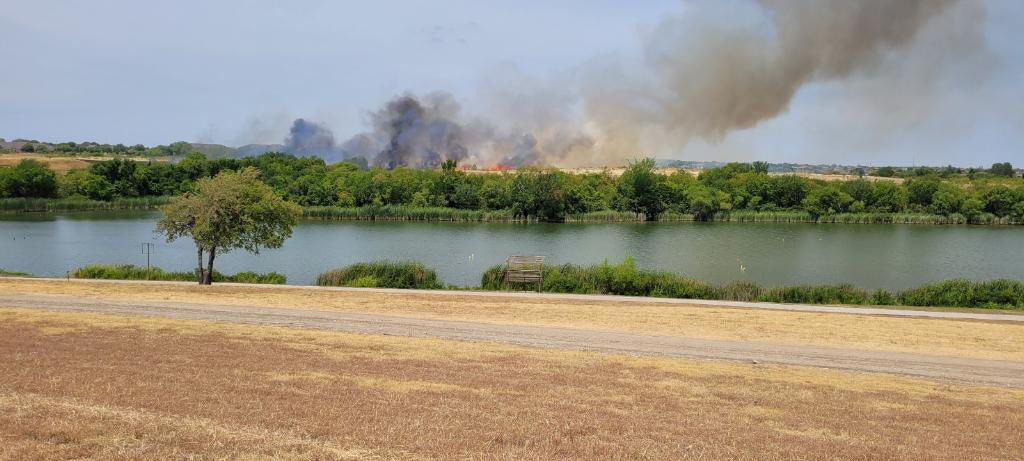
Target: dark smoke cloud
<point x="310" y="138"/>
<point x="419" y="133"/>
<point x="720" y="67"/>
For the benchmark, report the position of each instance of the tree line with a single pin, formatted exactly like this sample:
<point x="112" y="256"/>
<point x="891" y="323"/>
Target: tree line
<point x="535" y="193"/>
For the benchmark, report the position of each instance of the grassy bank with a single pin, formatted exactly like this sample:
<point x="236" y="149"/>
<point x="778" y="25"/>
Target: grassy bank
<point x="627" y="279"/>
<point x="408" y="213"/>
<point x="132" y="272"/>
<point x="381" y="274"/>
<point x="440" y="214"/>
<point x="7" y="273"/>
<point x="17" y="205"/>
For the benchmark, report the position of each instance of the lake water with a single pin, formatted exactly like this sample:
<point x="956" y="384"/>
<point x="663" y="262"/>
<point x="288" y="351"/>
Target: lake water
<point x="871" y="256"/>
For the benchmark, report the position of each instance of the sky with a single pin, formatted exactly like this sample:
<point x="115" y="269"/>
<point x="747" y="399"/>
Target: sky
<point x="237" y="72"/>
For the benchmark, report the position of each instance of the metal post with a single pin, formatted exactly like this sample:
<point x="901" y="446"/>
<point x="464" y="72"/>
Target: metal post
<point x="147" y="249"/>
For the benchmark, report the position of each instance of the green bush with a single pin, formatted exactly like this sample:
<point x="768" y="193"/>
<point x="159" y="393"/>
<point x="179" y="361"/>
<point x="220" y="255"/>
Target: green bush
<point x="817" y="294"/>
<point x="621" y="279"/>
<point x="381" y="274"/>
<point x="132" y="272"/>
<point x="7" y="273"/>
<point x="966" y="293"/>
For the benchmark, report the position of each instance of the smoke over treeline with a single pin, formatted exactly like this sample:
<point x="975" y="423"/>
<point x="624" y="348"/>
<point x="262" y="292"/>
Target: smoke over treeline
<point x="716" y="68"/>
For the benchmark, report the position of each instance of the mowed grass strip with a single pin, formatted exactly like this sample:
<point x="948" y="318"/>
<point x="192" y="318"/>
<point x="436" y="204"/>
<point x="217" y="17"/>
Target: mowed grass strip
<point x="86" y="385"/>
<point x="954" y="338"/>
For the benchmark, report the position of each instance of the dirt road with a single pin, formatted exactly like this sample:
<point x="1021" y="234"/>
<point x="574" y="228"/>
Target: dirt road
<point x="953" y="369"/>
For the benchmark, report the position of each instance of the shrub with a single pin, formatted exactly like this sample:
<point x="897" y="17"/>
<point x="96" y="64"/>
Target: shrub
<point x="965" y="293"/>
<point x="132" y="272"/>
<point x="817" y="294"/>
<point x="621" y="279"/>
<point x="382" y="274"/>
<point x="742" y="291"/>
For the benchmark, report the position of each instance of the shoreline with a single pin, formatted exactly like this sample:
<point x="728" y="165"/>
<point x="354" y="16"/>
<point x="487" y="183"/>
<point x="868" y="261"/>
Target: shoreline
<point x="389" y="213"/>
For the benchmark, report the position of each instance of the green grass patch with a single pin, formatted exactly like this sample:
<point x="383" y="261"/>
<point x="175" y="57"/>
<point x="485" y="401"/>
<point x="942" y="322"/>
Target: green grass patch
<point x="132" y="272"/>
<point x="408" y="213"/>
<point x="382" y="274"/>
<point x="17" y="205"/>
<point x="626" y="279"/>
<point x="7" y="273"/>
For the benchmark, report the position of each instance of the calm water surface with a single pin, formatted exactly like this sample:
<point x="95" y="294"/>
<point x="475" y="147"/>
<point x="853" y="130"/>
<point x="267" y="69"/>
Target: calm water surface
<point x="871" y="256"/>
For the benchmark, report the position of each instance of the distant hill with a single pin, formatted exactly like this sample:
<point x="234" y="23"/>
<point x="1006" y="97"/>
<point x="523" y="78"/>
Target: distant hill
<point x="222" y="151"/>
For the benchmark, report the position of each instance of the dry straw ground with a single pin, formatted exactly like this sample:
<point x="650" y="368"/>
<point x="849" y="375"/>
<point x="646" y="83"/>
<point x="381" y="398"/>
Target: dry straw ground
<point x="955" y="338"/>
<point x="86" y="385"/>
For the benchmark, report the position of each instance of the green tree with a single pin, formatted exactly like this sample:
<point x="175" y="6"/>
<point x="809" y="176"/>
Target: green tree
<point x="642" y="189"/>
<point x="826" y="200"/>
<point x="920" y="192"/>
<point x="1000" y="200"/>
<point x="885" y="172"/>
<point x="226" y="212"/>
<point x="948" y="199"/>
<point x="887" y="197"/>
<point x="1002" y="169"/>
<point x="29" y="178"/>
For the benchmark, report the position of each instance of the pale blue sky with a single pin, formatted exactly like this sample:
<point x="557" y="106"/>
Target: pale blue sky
<point x="239" y="71"/>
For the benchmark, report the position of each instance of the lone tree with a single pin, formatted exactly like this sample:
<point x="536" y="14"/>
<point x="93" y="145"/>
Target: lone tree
<point x="643" y="189"/>
<point x="231" y="210"/>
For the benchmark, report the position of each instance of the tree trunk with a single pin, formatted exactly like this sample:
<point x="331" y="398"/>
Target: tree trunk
<point x="208" y="276"/>
<point x="199" y="266"/>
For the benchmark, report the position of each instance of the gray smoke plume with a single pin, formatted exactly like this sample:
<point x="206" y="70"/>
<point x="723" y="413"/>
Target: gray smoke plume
<point x="718" y="67"/>
<point x="310" y="138"/>
<point x="729" y="65"/>
<point x="419" y="134"/>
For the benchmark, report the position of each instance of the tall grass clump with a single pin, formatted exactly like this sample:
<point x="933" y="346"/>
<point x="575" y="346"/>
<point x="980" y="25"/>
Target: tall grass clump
<point x="409" y="213"/>
<point x="817" y="294"/>
<point x="605" y="216"/>
<point x="133" y="272"/>
<point x="1000" y="293"/>
<point x="782" y="216"/>
<point x="620" y="279"/>
<point x="382" y="274"/>
<point x="79" y="204"/>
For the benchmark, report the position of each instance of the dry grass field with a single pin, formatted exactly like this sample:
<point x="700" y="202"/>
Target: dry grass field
<point x="111" y="387"/>
<point x="954" y="338"/>
<point x="63" y="164"/>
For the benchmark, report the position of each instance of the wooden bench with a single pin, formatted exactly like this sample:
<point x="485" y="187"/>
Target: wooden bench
<point x="525" y="269"/>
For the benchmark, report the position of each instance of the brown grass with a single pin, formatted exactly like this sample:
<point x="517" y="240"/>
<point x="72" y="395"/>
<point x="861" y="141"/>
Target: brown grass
<point x="989" y="340"/>
<point x="58" y="164"/>
<point x="85" y="385"/>
<point x="63" y="164"/>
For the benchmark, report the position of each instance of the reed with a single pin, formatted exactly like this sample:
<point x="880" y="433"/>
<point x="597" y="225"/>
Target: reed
<point x="17" y="205"/>
<point x="626" y="279"/>
<point x="132" y="272"/>
<point x="382" y="274"/>
<point x="408" y="213"/>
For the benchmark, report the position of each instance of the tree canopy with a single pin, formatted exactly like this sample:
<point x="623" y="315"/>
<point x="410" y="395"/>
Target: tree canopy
<point x="229" y="211"/>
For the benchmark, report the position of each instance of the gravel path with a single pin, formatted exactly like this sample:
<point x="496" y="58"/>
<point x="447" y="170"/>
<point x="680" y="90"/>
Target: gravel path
<point x="961" y="370"/>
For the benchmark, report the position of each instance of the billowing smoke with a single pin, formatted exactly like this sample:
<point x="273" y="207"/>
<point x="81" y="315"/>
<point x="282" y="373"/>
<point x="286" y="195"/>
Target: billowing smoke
<point x="418" y="134"/>
<point x="715" y="68"/>
<point x="310" y="138"/>
<point x="725" y="66"/>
